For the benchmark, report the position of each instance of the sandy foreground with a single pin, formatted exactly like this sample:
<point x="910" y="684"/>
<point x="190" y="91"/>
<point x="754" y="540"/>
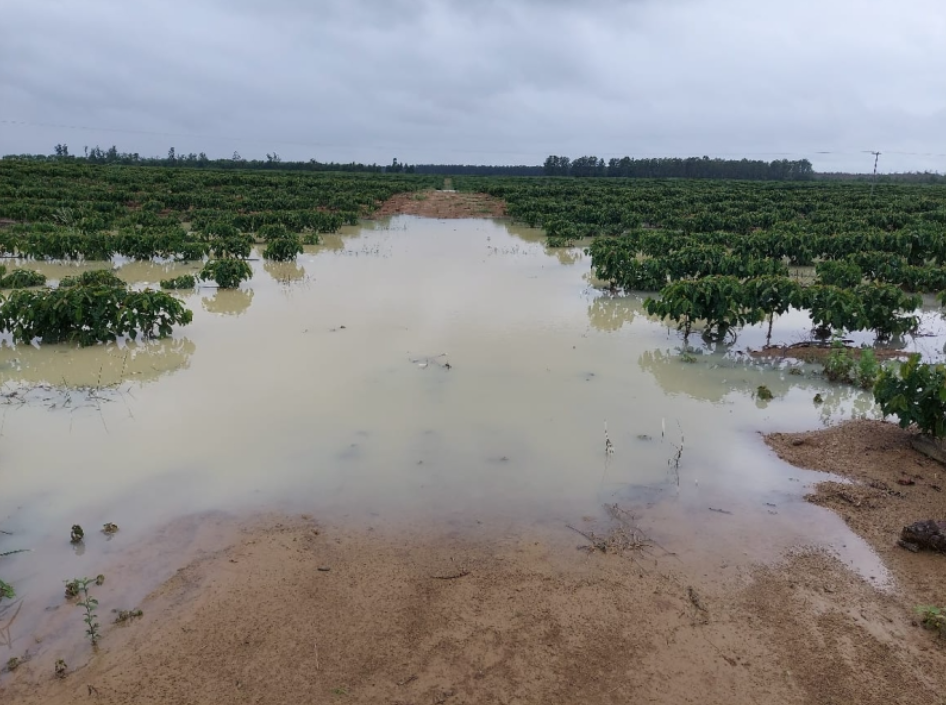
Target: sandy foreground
<point x="284" y="609"/>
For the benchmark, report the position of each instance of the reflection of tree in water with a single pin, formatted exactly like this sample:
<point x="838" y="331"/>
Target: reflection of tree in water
<point x="565" y="255"/>
<point x="228" y="302"/>
<point x="133" y="272"/>
<point x="94" y="366"/>
<point x="844" y="402"/>
<point x="610" y="313"/>
<point x="284" y="272"/>
<point x="525" y="233"/>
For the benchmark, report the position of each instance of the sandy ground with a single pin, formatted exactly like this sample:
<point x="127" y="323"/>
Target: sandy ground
<point x="888" y="486"/>
<point x="443" y="204"/>
<point x="285" y="610"/>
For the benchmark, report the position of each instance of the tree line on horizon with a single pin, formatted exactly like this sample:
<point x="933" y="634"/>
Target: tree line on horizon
<point x="582" y="167"/>
<point x="677" y="168"/>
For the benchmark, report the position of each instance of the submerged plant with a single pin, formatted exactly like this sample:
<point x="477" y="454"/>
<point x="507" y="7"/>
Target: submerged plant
<point x="185" y="281"/>
<point x="89" y="603"/>
<point x="97" y="277"/>
<point x="227" y="273"/>
<point x="763" y="393"/>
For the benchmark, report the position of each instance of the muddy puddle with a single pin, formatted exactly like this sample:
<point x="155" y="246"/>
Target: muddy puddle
<point x="410" y="369"/>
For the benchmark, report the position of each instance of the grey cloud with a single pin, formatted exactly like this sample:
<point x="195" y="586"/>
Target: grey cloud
<point x="481" y="80"/>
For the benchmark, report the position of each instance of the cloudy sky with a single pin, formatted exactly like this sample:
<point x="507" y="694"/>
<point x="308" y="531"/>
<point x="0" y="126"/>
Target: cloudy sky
<point x="480" y="81"/>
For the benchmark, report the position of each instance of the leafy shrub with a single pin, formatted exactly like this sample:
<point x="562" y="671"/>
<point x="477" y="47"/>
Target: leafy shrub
<point x="842" y="365"/>
<point x="283" y="249"/>
<point x="97" y="277"/>
<point x="90" y="314"/>
<point x="831" y="307"/>
<point x="274" y="231"/>
<point x="227" y="273"/>
<point x="235" y="246"/>
<point x="839" y="273"/>
<point x="21" y="279"/>
<point x="883" y="305"/>
<point x="917" y="395"/>
<point x="717" y="300"/>
<point x="185" y="281"/>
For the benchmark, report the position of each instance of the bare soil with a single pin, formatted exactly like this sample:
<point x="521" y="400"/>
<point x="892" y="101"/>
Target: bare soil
<point x="443" y="204"/>
<point x="890" y="485"/>
<point x="288" y="611"/>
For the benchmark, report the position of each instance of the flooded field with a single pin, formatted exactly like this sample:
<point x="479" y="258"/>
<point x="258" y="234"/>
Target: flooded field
<point x="409" y="370"/>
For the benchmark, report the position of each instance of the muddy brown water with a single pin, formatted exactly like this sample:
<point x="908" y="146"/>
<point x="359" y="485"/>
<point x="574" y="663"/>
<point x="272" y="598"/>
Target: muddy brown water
<point x="406" y="370"/>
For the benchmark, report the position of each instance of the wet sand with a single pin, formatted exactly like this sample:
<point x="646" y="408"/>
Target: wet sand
<point x="286" y="609"/>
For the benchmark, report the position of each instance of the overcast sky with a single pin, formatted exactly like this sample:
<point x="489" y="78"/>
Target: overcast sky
<point x="480" y="81"/>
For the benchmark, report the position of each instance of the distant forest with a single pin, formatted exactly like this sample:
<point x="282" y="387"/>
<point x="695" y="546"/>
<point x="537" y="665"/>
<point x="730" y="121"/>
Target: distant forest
<point x="582" y="167"/>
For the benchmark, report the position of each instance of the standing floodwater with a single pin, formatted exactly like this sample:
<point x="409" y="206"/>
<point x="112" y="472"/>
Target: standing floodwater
<point x="412" y="367"/>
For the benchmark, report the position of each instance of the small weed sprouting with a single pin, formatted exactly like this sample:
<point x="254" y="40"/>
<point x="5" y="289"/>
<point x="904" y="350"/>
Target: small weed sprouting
<point x="13" y="663"/>
<point x="109" y="528"/>
<point x="6" y="591"/>
<point x="763" y="393"/>
<point x="127" y="615"/>
<point x="818" y="399"/>
<point x="933" y="618"/>
<point x="99" y="579"/>
<point x="89" y="603"/>
<point x="77" y="534"/>
<point x="61" y="668"/>
<point x="72" y="589"/>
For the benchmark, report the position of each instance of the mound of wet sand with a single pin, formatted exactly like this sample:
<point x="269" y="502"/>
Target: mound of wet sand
<point x="293" y="612"/>
<point x="443" y="204"/>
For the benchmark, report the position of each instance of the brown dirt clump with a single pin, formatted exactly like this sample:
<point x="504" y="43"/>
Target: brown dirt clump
<point x="443" y="204"/>
<point x="893" y="486"/>
<point x="813" y="352"/>
<point x="295" y="612"/>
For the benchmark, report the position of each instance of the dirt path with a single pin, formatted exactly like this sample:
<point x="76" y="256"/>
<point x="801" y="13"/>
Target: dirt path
<point x="291" y="612"/>
<point x="443" y="204"/>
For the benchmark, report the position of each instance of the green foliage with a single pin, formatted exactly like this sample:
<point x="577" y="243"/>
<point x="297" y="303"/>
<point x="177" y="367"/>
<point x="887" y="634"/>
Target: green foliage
<point x="831" y="307"/>
<point x="717" y="300"/>
<point x="883" y="307"/>
<point x="933" y="618"/>
<point x="97" y="277"/>
<point x="763" y="393"/>
<point x="6" y="591"/>
<point x="557" y="241"/>
<point x="185" y="281"/>
<point x="235" y="246"/>
<point x="273" y="231"/>
<point x="843" y="365"/>
<point x="916" y="394"/>
<point x="770" y="296"/>
<point x="227" y="273"/>
<point x="835" y="273"/>
<point x="283" y="249"/>
<point x="90" y="314"/>
<point x="89" y="605"/>
<point x="22" y="278"/>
